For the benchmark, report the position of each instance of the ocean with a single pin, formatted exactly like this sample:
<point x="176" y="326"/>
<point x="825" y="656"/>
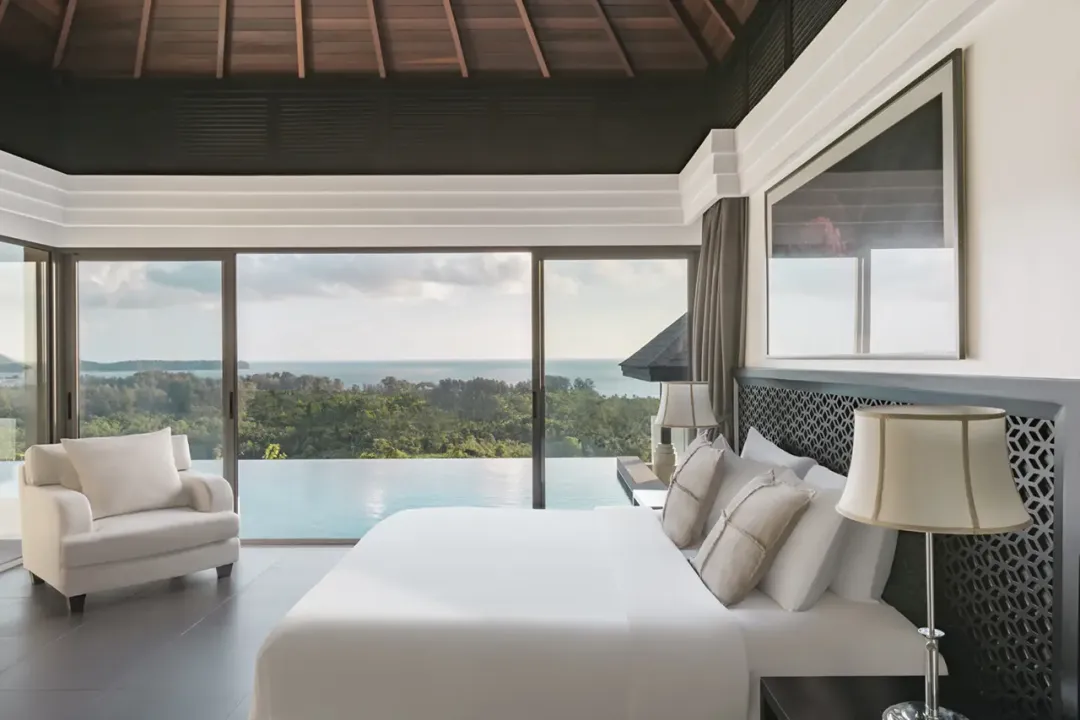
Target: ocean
<point x="341" y="499"/>
<point x="606" y="374"/>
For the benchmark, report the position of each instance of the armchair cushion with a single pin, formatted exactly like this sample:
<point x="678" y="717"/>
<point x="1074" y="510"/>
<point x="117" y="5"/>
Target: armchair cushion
<point x="206" y="493"/>
<point x="144" y="534"/>
<point x="50" y="465"/>
<point x="127" y="474"/>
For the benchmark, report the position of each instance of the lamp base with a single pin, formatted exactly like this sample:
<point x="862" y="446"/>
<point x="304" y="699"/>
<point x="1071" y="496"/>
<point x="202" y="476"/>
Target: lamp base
<point x="917" y="711"/>
<point x="663" y="462"/>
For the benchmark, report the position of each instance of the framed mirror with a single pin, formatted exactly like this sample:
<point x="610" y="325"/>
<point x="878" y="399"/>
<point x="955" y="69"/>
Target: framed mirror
<point x="866" y="240"/>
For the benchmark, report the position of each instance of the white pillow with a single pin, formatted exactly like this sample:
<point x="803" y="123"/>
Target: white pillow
<point x="181" y="452"/>
<point x="50" y="465"/>
<point x="121" y="475"/>
<point x="866" y="559"/>
<point x="735" y="474"/>
<point x="806" y="563"/>
<point x="758" y="447"/>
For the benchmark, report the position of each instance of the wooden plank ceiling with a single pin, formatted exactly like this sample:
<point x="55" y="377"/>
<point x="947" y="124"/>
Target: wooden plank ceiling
<point x="379" y="38"/>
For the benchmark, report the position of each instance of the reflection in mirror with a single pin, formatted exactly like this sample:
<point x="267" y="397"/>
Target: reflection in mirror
<point x="814" y="304"/>
<point x="864" y="239"/>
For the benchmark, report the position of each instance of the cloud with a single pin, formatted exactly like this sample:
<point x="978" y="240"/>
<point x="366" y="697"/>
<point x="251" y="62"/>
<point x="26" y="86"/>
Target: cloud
<point x="138" y="285"/>
<point x="269" y="277"/>
<point x="403" y="277"/>
<point x="406" y="275"/>
<point x="570" y="277"/>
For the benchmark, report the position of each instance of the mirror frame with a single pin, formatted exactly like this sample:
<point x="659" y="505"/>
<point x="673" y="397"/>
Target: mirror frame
<point x="948" y="73"/>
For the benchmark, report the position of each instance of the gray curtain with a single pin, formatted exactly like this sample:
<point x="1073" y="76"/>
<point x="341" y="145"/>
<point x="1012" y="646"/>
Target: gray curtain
<point x="718" y="317"/>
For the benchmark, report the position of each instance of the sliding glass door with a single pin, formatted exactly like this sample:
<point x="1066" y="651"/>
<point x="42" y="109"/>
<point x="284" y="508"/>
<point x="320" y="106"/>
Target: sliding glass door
<point x="613" y="329"/>
<point x="150" y="352"/>
<point x="373" y="383"/>
<point x="24" y="376"/>
<point x="335" y="389"/>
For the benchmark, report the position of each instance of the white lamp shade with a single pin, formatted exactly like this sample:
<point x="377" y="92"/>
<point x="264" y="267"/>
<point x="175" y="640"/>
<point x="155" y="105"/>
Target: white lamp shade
<point x="685" y="405"/>
<point x="938" y="469"/>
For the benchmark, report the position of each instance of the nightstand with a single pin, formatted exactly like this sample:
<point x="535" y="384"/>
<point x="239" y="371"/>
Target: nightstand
<point x="857" y="698"/>
<point x="635" y="475"/>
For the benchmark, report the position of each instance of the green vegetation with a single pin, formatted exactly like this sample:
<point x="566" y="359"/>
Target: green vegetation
<point x="305" y="416"/>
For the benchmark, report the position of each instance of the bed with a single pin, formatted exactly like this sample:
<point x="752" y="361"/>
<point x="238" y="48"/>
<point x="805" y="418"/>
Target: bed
<point x="463" y="613"/>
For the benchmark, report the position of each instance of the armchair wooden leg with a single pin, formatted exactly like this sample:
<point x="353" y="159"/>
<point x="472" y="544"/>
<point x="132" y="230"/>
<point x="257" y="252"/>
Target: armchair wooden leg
<point x="77" y="604"/>
<point x="35" y="579"/>
<point x="224" y="571"/>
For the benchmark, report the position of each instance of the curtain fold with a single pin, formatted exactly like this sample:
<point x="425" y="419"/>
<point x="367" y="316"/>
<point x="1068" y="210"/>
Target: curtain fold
<point x="718" y="318"/>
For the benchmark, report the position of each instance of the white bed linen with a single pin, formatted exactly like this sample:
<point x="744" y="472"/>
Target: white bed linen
<point x="473" y="614"/>
<point x="835" y="637"/>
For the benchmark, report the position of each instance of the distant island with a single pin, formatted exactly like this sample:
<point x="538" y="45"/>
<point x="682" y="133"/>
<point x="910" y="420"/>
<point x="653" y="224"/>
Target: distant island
<point x="144" y="365"/>
<point x="8" y="365"/>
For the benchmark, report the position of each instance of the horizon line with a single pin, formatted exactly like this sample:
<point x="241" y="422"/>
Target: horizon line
<point x="402" y="360"/>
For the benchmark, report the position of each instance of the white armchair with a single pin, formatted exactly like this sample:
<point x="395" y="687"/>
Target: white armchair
<point x="65" y="547"/>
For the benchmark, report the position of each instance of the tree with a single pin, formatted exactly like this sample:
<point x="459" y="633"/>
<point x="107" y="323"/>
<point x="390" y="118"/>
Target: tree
<point x="305" y="416"/>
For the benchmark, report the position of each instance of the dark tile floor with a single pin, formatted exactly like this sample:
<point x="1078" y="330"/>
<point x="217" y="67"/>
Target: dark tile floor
<point x="182" y="649"/>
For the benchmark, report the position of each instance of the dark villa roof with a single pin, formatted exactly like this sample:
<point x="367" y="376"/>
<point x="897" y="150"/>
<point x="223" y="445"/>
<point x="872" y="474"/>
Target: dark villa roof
<point x="225" y="38"/>
<point x="665" y="358"/>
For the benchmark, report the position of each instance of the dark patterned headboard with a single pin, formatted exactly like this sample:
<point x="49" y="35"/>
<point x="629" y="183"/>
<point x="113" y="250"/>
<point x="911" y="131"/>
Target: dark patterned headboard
<point x="995" y="593"/>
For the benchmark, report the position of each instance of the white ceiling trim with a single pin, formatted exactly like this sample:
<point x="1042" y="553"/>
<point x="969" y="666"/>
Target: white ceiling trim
<point x="39" y="205"/>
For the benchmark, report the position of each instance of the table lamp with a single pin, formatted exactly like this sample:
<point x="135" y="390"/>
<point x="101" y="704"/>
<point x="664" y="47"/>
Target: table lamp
<point x="932" y="469"/>
<point x="682" y="405"/>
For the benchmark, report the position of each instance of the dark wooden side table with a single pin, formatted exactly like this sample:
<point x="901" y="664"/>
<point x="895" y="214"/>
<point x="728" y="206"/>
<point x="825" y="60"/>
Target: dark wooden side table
<point x="856" y="698"/>
<point x="635" y="474"/>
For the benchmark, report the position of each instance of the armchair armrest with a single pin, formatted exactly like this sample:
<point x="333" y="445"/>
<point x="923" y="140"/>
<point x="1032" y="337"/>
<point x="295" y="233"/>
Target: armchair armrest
<point x="207" y="493"/>
<point x="55" y="509"/>
<point x="49" y="514"/>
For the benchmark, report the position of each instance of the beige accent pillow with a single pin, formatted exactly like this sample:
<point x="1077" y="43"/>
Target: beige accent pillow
<point x="126" y="474"/>
<point x="738" y="550"/>
<point x="690" y="495"/>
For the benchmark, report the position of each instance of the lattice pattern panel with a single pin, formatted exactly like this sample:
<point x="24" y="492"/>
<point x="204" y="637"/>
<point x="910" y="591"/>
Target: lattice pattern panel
<point x="994" y="592"/>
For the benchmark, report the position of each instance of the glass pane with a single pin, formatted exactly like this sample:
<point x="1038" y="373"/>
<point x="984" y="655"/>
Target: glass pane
<point x="374" y="383"/>
<point x="599" y="314"/>
<point x="151" y="352"/>
<point x="813" y="306"/>
<point x="913" y="302"/>
<point x="24" y="418"/>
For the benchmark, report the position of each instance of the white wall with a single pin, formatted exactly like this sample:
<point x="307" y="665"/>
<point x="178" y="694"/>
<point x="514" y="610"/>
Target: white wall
<point x="1023" y="173"/>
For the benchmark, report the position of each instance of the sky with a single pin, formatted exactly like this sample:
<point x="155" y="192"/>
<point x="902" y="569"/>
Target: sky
<point x="338" y="307"/>
<point x="17" y="288"/>
<point x="334" y="307"/>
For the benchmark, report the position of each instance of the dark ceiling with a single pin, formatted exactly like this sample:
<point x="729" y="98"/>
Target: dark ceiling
<point x="226" y="38"/>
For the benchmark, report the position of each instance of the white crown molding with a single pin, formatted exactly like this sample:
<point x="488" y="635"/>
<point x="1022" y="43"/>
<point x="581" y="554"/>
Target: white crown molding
<point x="31" y="200"/>
<point x="43" y="206"/>
<point x="712" y="173"/>
<point x="849" y="68"/>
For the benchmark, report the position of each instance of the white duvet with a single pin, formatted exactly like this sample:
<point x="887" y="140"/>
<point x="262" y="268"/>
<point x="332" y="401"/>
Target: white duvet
<point x="474" y="614"/>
